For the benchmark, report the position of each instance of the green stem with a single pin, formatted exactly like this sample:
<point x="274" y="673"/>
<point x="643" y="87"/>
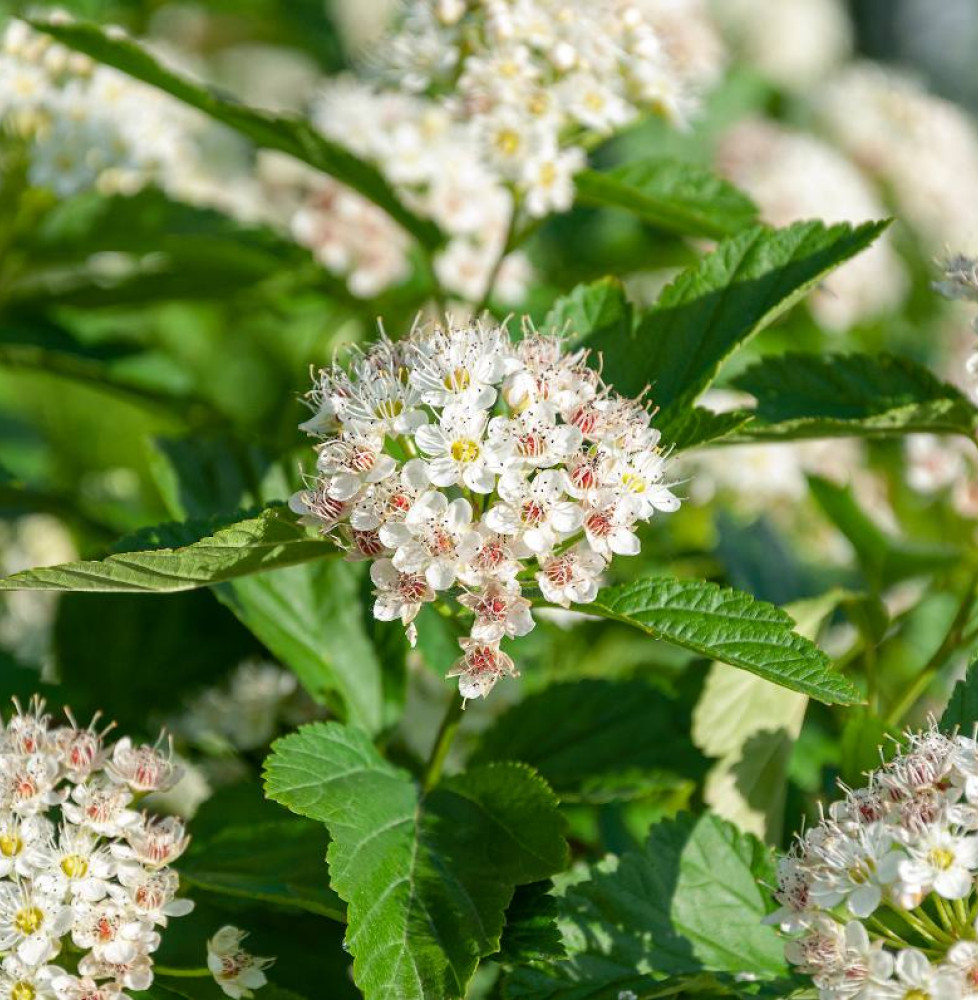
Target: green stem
<point x="952" y="640"/>
<point x="494" y="273"/>
<point x="166" y="970"/>
<point x="443" y="742"/>
<point x="961" y="912"/>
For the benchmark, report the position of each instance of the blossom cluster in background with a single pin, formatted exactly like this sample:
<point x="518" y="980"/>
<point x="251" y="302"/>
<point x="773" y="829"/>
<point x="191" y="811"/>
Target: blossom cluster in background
<point x="879" y="898"/>
<point x="85" y="882"/>
<point x="484" y="109"/>
<point x="461" y="462"/>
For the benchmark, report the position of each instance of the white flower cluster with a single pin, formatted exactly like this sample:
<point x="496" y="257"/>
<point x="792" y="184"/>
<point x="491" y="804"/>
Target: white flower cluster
<point x="84" y="878"/>
<point x="922" y="148"/>
<point x="86" y="125"/>
<point x="794" y="176"/>
<point x="434" y="161"/>
<point x="879" y="898"/>
<point x="236" y="971"/>
<point x="491" y="107"/>
<point x="540" y="79"/>
<point x="461" y="462"/>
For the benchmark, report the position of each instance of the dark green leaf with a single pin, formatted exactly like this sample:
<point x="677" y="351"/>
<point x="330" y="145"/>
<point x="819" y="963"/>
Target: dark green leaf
<point x="427" y="877"/>
<point x="599" y="309"/>
<point x="806" y="395"/>
<point x="717" y="305"/>
<point x="246" y="848"/>
<point x="531" y="933"/>
<point x="698" y="426"/>
<point x="962" y="710"/>
<point x="729" y="626"/>
<point x="624" y="730"/>
<point x="284" y="133"/>
<point x="671" y="195"/>
<point x="271" y="540"/>
<point x="688" y="903"/>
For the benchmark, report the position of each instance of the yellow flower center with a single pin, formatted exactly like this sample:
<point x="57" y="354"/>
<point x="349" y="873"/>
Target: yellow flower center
<point x="465" y="450"/>
<point x="508" y="142"/>
<point x="22" y="991"/>
<point x="29" y="919"/>
<point x="10" y="845"/>
<point x="548" y="174"/>
<point x="941" y="857"/>
<point x="457" y="380"/>
<point x="633" y="483"/>
<point x="74" y="866"/>
<point x="916" y="994"/>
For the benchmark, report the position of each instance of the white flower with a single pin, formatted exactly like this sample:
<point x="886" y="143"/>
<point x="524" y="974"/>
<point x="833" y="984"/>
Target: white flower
<point x="549" y="180"/>
<point x="237" y="972"/>
<point x="533" y="510"/>
<point x="22" y="981"/>
<point x="101" y="805"/>
<point x="433" y="539"/>
<point x="154" y="842"/>
<point x="399" y="595"/>
<point x="144" y="768"/>
<point x="499" y="611"/>
<point x="609" y="524"/>
<point x="31" y="922"/>
<point x="481" y="665"/>
<point x="571" y="577"/>
<point x="74" y="867"/>
<point x="458" y="452"/>
<point x="941" y="861"/>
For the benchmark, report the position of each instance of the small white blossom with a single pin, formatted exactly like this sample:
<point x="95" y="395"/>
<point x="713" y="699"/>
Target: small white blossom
<point x="235" y="970"/>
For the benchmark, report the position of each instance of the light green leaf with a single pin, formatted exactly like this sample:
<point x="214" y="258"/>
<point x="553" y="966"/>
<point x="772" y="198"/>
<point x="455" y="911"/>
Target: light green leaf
<point x="750" y="725"/>
<point x="672" y="195"/>
<point x="616" y="739"/>
<point x="729" y="626"/>
<point x="426" y="877"/>
<point x="286" y="134"/>
<point x="268" y="541"/>
<point x="246" y="848"/>
<point x="716" y="306"/>
<point x="807" y="395"/>
<point x="690" y="902"/>
<point x="599" y="309"/>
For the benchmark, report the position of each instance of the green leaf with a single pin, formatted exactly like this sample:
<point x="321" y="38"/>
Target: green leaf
<point x="807" y="395"/>
<point x="865" y="738"/>
<point x="599" y="309"/>
<point x="531" y="933"/>
<point x="286" y="134"/>
<point x="716" y="306"/>
<point x="675" y="196"/>
<point x="884" y="558"/>
<point x="268" y="541"/>
<point x="426" y="877"/>
<point x="314" y="617"/>
<point x="698" y="426"/>
<point x="246" y="848"/>
<point x="729" y="626"/>
<point x="616" y="739"/>
<point x="962" y="710"/>
<point x="750" y="725"/>
<point x="689" y="902"/>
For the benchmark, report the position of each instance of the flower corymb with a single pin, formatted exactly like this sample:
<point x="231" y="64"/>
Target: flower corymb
<point x="84" y="882"/>
<point x="465" y="464"/>
<point x="879" y="898"/>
